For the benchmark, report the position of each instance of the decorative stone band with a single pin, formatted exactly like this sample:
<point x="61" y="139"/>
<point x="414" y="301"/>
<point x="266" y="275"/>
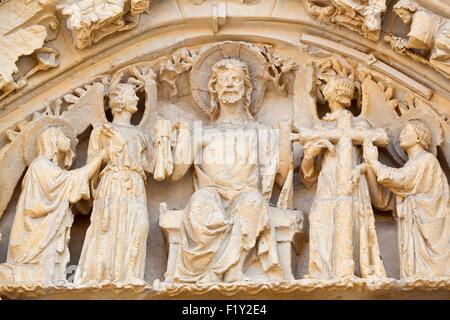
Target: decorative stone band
<point x="304" y="288"/>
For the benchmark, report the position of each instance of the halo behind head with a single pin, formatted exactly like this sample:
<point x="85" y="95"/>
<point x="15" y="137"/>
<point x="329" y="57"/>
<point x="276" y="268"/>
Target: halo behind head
<point x="201" y="72"/>
<point x="36" y="127"/>
<point x="225" y="64"/>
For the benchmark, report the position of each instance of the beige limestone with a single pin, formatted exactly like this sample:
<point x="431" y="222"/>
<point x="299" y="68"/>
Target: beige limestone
<point x="91" y="21"/>
<point x="164" y="57"/>
<point x="428" y="32"/>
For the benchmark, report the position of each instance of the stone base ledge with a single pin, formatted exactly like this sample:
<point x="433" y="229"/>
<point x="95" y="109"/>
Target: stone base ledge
<point x="299" y="289"/>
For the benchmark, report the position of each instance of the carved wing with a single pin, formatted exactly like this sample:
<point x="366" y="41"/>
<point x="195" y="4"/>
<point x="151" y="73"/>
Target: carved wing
<point x="305" y="110"/>
<point x="374" y="104"/>
<point x="12" y="166"/>
<point x="381" y="110"/>
<point x="87" y="107"/>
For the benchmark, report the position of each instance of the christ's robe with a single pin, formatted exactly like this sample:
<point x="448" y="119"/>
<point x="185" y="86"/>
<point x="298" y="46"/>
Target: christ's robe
<point x="229" y="211"/>
<point x="38" y="248"/>
<point x="423" y="211"/>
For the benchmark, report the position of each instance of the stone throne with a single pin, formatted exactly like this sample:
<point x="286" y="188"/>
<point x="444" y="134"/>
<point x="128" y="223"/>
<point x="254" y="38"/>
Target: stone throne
<point x="289" y="231"/>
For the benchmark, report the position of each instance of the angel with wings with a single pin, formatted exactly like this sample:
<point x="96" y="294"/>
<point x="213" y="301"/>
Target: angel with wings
<point x="115" y="246"/>
<point x="343" y="238"/>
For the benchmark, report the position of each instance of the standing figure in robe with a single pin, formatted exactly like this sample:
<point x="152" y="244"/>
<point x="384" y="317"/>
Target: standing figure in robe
<point x="115" y="246"/>
<point x="423" y="204"/>
<point x="236" y="162"/>
<point x="38" y="247"/>
<point x="321" y="169"/>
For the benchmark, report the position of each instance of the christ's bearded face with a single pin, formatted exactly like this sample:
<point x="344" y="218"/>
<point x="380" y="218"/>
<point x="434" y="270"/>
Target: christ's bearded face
<point x="231" y="85"/>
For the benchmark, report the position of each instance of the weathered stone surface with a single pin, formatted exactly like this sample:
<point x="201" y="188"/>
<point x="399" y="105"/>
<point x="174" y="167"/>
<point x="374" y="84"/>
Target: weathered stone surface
<point x="224" y="149"/>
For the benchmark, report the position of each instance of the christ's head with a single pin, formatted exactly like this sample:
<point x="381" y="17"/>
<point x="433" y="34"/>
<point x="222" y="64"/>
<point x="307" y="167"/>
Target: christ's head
<point x="230" y="85"/>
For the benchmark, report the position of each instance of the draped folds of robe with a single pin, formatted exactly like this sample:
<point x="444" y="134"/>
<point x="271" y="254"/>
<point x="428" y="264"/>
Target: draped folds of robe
<point x="423" y="211"/>
<point x="229" y="212"/>
<point x="38" y="248"/>
<point x="115" y="246"/>
<point x="323" y="210"/>
<point x="432" y="32"/>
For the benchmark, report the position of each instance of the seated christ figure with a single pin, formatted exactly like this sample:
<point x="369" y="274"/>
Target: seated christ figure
<point x="236" y="160"/>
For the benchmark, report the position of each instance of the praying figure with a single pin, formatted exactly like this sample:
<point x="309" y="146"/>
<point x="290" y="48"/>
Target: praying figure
<point x="115" y="246"/>
<point x="38" y="247"/>
<point x="236" y="160"/>
<point x="422" y="201"/>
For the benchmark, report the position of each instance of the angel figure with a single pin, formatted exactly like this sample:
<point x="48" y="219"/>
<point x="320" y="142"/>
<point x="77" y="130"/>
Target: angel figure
<point x="115" y="246"/>
<point x="343" y="239"/>
<point x="422" y="201"/>
<point x="38" y="246"/>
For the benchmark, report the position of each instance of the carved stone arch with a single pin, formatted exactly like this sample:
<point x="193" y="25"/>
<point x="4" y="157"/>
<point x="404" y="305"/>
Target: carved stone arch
<point x="298" y="53"/>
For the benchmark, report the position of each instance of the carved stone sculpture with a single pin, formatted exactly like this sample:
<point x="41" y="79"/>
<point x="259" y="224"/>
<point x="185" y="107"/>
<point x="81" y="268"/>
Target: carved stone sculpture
<point x="358" y="15"/>
<point x="91" y="21"/>
<point x="227" y="217"/>
<point x="21" y="43"/>
<point x="422" y="201"/>
<point x="341" y="218"/>
<point x="211" y="190"/>
<point x="428" y="32"/>
<point x="115" y="246"/>
<point x="38" y="247"/>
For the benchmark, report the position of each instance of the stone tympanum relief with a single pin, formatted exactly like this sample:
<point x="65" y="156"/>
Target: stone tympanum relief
<point x="422" y="200"/>
<point x="256" y="164"/>
<point x="38" y="247"/>
<point x="428" y="39"/>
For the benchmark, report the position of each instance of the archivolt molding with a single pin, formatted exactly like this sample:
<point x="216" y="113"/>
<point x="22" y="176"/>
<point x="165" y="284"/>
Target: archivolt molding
<point x="160" y="18"/>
